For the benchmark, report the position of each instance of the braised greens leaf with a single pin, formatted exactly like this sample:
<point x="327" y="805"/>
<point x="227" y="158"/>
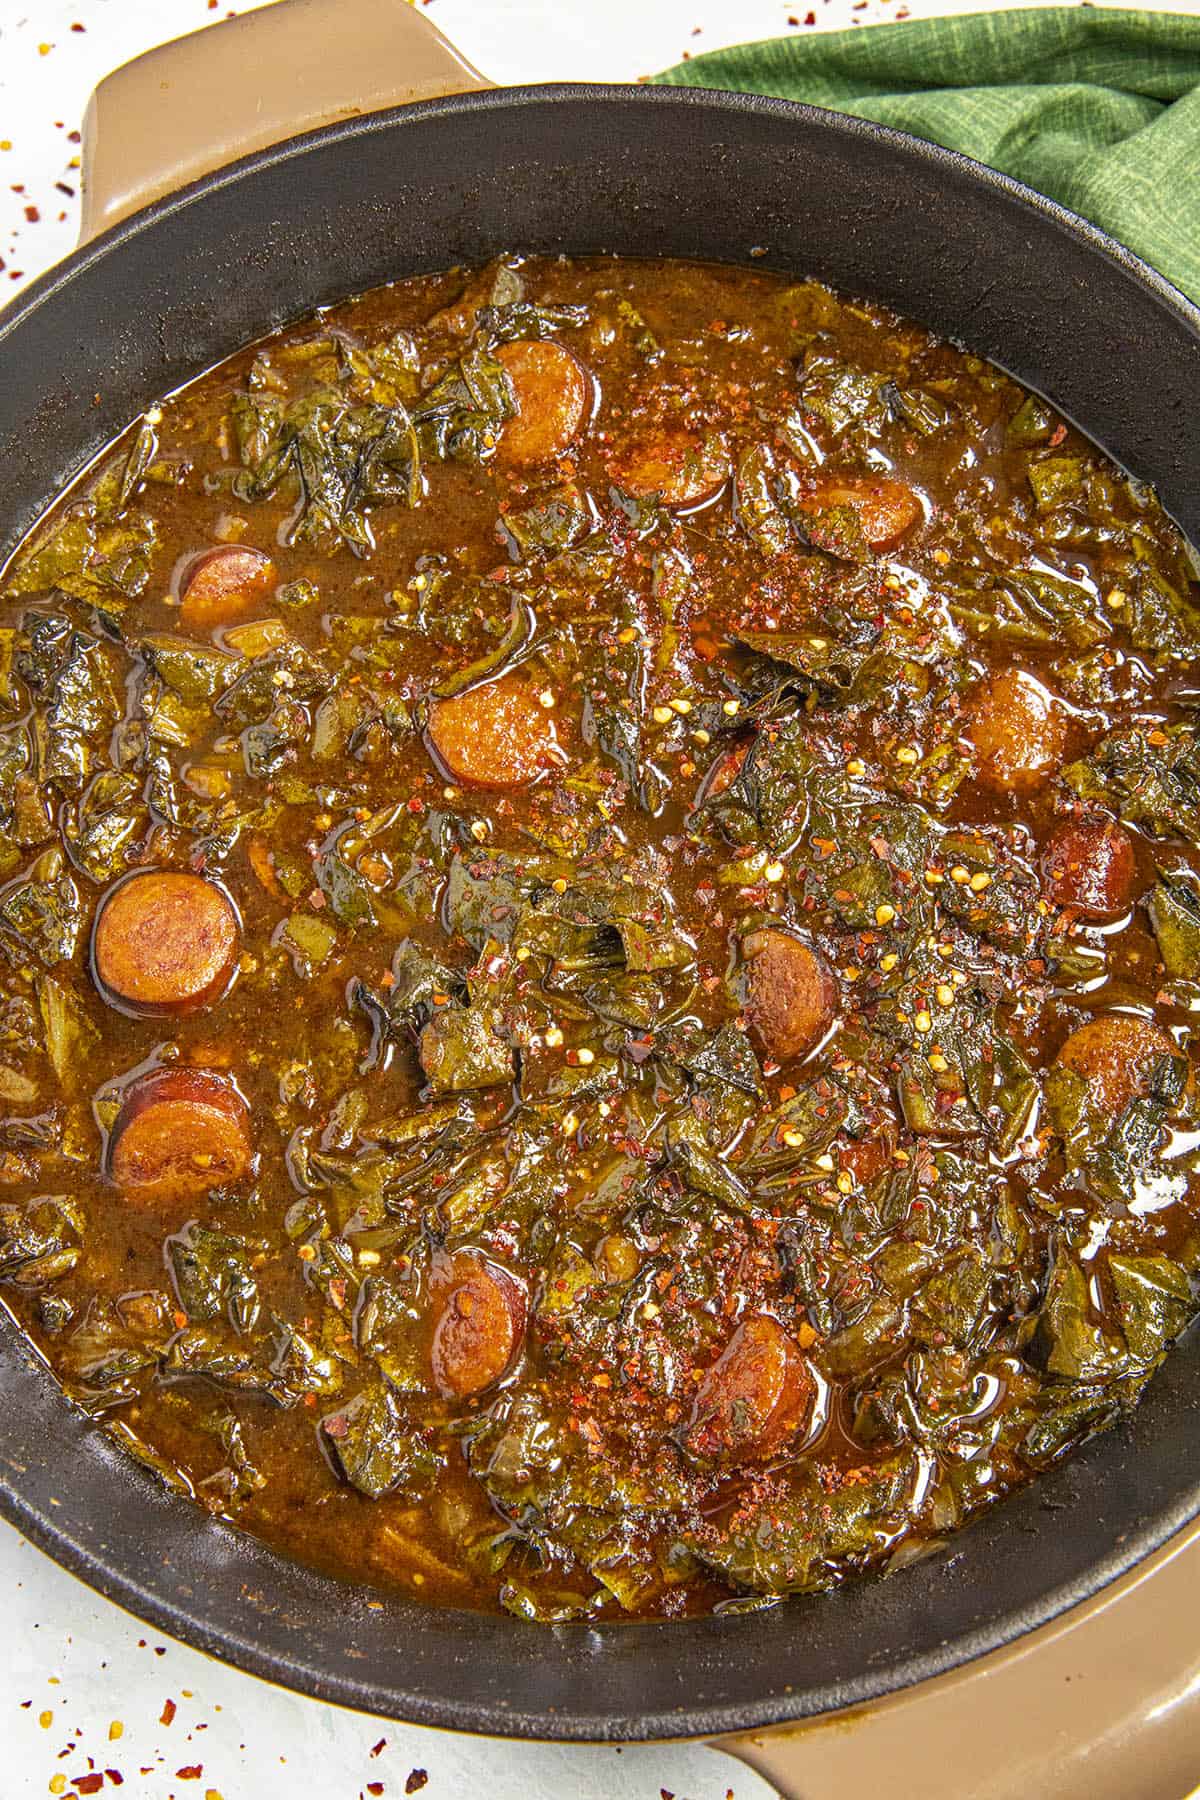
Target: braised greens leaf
<point x="461" y="1050"/>
<point x="1148" y="777"/>
<point x="40" y="1240"/>
<point x="377" y="1448"/>
<point x="796" y="1536"/>
<point x="41" y="912"/>
<point x="213" y="1275"/>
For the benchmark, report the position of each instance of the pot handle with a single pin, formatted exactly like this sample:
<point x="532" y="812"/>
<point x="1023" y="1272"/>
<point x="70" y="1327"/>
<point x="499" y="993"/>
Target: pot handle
<point x="1101" y="1704"/>
<point x="193" y="105"/>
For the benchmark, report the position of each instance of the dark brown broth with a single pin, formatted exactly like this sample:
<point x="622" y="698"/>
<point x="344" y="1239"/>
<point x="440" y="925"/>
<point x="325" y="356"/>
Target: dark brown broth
<point x="622" y="1514"/>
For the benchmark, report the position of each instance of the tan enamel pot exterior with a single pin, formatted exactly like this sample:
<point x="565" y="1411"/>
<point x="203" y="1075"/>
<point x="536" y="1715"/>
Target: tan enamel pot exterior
<point x="1050" y="1648"/>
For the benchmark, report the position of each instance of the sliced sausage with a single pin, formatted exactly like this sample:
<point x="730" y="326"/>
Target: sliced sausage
<point x="478" y="1323"/>
<point x="225" y="585"/>
<point x="1090" y="866"/>
<point x="552" y="393"/>
<point x="164" y="941"/>
<point x="885" y="509"/>
<point x="673" y="466"/>
<point x="1019" y="730"/>
<point x="791" y="995"/>
<point x="494" y="736"/>
<point x="180" y="1133"/>
<point x="1116" y="1054"/>
<point x="759" y="1393"/>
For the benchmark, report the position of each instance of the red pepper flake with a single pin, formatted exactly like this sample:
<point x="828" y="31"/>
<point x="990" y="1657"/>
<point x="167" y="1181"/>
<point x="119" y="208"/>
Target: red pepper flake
<point x="190" y="1772"/>
<point x="375" y="1787"/>
<point x="115" y="1776"/>
<point x="379" y="1748"/>
<point x="167" y="1715"/>
<point x="417" y="1779"/>
<point x="89" y="1784"/>
<point x="32" y="214"/>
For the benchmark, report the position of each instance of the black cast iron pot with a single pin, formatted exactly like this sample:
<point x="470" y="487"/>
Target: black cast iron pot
<point x="648" y="172"/>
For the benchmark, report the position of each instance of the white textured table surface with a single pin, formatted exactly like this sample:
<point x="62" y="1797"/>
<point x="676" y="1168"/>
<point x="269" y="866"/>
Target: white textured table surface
<point x="85" y="1690"/>
<point x="52" y="52"/>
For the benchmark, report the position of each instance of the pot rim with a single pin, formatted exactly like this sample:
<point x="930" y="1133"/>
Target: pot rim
<point x="107" y="1569"/>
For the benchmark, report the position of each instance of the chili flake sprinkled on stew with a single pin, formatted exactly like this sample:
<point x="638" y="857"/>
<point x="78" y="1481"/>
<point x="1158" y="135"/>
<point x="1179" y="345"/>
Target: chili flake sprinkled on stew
<point x="599" y="938"/>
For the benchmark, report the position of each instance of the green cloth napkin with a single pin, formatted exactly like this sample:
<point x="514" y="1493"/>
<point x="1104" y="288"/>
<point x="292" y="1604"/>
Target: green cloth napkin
<point x="1098" y="109"/>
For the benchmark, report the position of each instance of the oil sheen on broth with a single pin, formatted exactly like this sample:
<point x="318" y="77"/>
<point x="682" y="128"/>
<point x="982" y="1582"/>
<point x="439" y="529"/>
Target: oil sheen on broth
<point x="600" y="931"/>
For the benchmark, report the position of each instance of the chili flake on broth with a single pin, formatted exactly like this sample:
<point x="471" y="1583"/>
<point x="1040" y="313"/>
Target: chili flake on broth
<point x="601" y="914"/>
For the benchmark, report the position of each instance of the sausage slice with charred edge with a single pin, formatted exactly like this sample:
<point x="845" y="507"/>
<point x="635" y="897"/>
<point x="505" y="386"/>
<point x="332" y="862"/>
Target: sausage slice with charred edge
<point x="164" y="941"/>
<point x="760" y="1392"/>
<point x="671" y="465"/>
<point x="222" y="586"/>
<point x="552" y="391"/>
<point x="1019" y="731"/>
<point x="1116" y="1054"/>
<point x="885" y="509"/>
<point x="791" y="995"/>
<point x="179" y="1134"/>
<point x="498" y="735"/>
<point x="478" y="1323"/>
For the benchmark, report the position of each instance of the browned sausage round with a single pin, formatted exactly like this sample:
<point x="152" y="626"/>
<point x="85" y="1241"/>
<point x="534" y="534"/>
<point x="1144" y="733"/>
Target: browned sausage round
<point x="164" y="941"/>
<point x="478" y="1319"/>
<point x="180" y="1133"/>
<point x="222" y="586"/>
<point x="885" y="509"/>
<point x="495" y="736"/>
<point x="791" y="995"/>
<point x="1089" y="866"/>
<point x="1116" y="1055"/>
<point x="1019" y="731"/>
<point x="676" y="467"/>
<point x="552" y="393"/>
<point x="760" y="1392"/>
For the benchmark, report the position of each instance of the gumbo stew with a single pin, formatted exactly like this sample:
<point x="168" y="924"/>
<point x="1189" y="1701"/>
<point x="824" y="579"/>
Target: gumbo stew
<point x="600" y="934"/>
